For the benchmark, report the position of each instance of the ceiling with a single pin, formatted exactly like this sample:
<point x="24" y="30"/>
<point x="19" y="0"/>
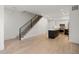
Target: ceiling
<point x="49" y="11"/>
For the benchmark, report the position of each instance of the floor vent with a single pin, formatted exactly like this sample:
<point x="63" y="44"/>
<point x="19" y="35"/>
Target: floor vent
<point x="75" y="7"/>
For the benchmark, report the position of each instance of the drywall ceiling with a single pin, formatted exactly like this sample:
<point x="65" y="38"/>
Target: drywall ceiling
<point x="49" y="11"/>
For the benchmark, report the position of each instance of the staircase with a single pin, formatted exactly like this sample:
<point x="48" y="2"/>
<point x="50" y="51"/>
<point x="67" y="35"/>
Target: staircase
<point x="27" y="26"/>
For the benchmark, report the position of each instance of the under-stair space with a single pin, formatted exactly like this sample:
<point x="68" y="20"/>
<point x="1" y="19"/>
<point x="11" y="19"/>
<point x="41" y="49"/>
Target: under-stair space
<point x="27" y="26"/>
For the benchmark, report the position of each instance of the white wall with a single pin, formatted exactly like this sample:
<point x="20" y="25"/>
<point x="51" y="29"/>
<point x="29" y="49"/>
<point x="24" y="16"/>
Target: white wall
<point x="51" y="25"/>
<point x="62" y="22"/>
<point x="1" y="27"/>
<point x="14" y="19"/>
<point x="55" y="24"/>
<point x="39" y="28"/>
<point x="74" y="27"/>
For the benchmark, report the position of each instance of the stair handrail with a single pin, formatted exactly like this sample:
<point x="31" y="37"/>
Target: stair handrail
<point x="30" y="23"/>
<point x="27" y="22"/>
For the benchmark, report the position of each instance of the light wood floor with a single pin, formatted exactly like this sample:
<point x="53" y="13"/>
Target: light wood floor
<point x="41" y="45"/>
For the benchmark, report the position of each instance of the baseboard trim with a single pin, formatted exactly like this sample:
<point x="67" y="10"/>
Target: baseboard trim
<point x="16" y="37"/>
<point x="2" y="48"/>
<point x="34" y="36"/>
<point x="74" y="42"/>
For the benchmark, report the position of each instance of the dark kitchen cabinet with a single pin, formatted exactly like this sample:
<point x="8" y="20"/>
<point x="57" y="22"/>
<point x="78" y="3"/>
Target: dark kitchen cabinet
<point x="53" y="33"/>
<point x="66" y="32"/>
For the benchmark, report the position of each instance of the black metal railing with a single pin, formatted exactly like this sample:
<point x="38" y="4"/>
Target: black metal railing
<point x="27" y="26"/>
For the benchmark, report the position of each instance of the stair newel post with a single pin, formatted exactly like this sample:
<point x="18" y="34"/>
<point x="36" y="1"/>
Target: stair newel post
<point x="20" y="34"/>
<point x="31" y="22"/>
